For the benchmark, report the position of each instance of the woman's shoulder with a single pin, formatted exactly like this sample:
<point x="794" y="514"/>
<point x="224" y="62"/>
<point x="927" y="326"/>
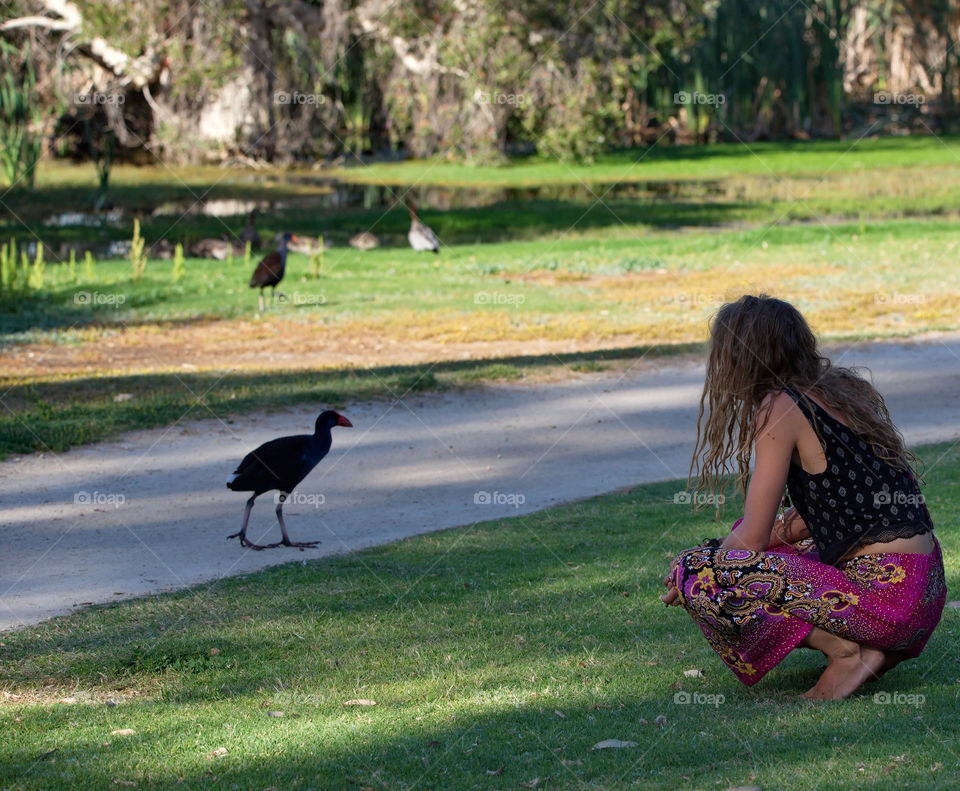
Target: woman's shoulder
<point x="779" y="407"/>
<point x="780" y="401"/>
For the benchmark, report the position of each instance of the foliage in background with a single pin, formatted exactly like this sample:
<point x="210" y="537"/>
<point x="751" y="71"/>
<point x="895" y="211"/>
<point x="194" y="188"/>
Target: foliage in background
<point x="475" y="80"/>
<point x="179" y="267"/>
<point x="138" y="256"/>
<point x="20" y="141"/>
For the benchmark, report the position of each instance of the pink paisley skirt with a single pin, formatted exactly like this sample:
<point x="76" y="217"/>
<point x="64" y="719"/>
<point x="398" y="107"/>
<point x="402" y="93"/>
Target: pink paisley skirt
<point x="754" y="608"/>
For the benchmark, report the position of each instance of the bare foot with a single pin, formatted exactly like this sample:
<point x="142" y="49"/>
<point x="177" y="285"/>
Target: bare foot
<point x="848" y="666"/>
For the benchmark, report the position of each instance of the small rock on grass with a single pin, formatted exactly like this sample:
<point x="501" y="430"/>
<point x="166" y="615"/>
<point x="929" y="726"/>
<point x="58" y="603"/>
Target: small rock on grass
<point x="535" y="783"/>
<point x="123" y="732"/>
<point x="615" y="744"/>
<point x="360" y="702"/>
<point x="274" y="713"/>
<point x="695" y="673"/>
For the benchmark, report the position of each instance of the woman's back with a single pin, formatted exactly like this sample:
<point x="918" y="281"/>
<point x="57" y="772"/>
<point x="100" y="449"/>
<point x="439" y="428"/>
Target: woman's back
<point x="851" y="498"/>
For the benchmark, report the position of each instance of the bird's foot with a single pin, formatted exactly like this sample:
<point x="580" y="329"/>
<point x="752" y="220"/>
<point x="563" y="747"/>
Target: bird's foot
<point x="301" y="545"/>
<point x="248" y="544"/>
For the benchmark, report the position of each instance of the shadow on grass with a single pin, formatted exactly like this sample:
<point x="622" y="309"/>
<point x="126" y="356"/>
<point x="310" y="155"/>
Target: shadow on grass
<point x="502" y="748"/>
<point x="496" y="654"/>
<point x="578" y="580"/>
<point x="70" y="307"/>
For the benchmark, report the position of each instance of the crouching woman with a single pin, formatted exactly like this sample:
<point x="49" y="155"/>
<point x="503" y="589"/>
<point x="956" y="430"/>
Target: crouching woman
<point x="852" y="569"/>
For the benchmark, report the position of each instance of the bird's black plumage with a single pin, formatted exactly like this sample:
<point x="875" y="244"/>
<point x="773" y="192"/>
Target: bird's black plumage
<point x="282" y="464"/>
<point x="271" y="269"/>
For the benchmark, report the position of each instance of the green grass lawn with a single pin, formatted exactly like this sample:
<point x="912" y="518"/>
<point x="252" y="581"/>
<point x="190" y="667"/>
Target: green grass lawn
<point x="828" y="225"/>
<point x="496" y="654"/>
<point x="863" y="280"/>
<point x="726" y="182"/>
<point x="666" y="162"/>
<point x="553" y="276"/>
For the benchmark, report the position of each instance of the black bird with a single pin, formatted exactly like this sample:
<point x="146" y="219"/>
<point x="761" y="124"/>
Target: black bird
<point x="281" y="464"/>
<point x="270" y="270"/>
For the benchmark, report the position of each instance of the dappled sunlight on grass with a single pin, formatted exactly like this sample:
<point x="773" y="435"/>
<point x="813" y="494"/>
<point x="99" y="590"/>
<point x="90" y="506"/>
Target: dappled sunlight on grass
<point x="509" y="647"/>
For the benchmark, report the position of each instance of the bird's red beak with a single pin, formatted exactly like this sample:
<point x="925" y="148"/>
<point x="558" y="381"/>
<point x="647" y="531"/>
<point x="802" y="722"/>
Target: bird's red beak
<point x="294" y="238"/>
<point x="342" y="421"/>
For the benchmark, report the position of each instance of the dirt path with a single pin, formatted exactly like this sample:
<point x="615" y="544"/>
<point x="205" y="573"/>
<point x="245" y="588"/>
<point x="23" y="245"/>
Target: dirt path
<point x="150" y="511"/>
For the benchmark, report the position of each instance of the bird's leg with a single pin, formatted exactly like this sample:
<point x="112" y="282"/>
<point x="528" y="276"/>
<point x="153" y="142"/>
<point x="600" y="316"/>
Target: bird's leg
<point x="283" y="530"/>
<point x="242" y="535"/>
<point x="260" y="301"/>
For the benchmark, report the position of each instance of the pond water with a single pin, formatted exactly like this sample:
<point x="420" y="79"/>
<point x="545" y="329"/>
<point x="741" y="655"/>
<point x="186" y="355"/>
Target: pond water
<point x="334" y="195"/>
<point x="325" y="194"/>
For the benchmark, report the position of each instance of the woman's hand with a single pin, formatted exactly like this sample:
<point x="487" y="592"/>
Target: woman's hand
<point x="672" y="596"/>
<point x="789" y="528"/>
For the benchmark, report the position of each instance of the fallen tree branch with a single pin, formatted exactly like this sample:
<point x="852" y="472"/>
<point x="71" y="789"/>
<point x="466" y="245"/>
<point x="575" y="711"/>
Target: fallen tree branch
<point x="138" y="72"/>
<point x="70" y="18"/>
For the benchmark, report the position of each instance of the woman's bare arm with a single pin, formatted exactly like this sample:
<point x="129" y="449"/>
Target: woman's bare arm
<point x="788" y="530"/>
<point x="772" y="451"/>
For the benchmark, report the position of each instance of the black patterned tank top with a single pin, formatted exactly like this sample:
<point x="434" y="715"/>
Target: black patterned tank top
<point x="859" y="498"/>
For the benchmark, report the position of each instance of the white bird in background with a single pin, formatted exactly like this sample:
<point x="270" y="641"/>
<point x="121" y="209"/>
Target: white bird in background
<point x="421" y="237"/>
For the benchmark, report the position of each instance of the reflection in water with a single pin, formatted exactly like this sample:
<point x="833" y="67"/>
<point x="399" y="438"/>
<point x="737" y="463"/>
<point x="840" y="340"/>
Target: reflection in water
<point x="337" y="195"/>
<point x="330" y="195"/>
